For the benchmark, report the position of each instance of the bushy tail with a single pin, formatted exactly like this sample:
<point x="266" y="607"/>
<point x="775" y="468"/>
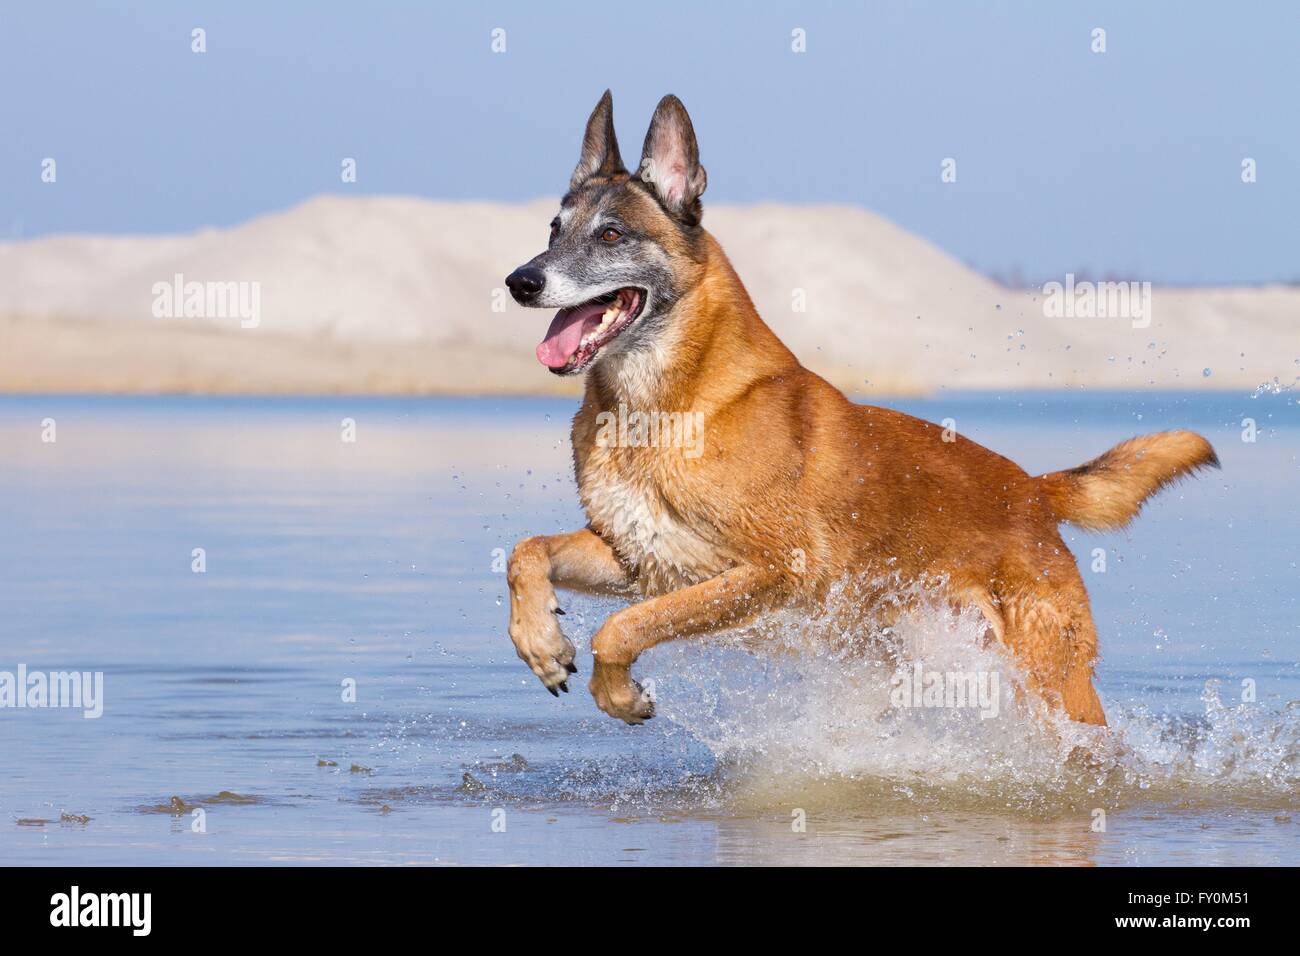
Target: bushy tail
<point x="1109" y="491"/>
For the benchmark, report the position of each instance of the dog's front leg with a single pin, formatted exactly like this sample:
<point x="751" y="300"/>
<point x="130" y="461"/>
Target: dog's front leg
<point x="579" y="561"/>
<point x="728" y="600"/>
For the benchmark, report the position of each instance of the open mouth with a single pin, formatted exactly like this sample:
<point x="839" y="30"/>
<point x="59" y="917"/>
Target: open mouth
<point x="579" y="332"/>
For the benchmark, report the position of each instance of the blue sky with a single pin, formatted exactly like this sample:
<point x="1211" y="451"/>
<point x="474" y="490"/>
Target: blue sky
<point x="1126" y="163"/>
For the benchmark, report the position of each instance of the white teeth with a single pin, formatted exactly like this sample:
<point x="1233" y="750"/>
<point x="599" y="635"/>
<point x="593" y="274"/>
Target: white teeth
<point x="614" y="310"/>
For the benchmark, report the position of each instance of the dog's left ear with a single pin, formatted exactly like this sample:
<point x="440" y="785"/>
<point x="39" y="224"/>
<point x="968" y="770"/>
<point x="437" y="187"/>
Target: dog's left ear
<point x="599" y="147"/>
<point x="670" y="161"/>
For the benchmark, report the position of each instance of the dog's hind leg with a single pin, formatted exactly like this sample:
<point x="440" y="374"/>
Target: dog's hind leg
<point x="1078" y="695"/>
<point x="983" y="599"/>
<point x="579" y="561"/>
<point x="1051" y="633"/>
<point x="729" y="600"/>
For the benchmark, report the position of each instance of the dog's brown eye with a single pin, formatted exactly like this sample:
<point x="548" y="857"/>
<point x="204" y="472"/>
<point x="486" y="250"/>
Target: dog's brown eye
<point x="611" y="235"/>
<point x="555" y="228"/>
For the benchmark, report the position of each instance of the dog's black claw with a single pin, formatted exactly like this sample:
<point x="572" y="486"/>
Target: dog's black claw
<point x="571" y="667"/>
<point x="560" y="611"/>
<point x="564" y="686"/>
<point x="554" y="692"/>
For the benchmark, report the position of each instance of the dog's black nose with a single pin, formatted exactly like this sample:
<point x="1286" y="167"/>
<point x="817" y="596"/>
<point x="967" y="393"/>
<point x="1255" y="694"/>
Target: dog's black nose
<point x="525" y="282"/>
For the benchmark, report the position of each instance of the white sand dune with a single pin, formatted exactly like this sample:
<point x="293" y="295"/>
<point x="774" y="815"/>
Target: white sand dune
<point x="396" y="295"/>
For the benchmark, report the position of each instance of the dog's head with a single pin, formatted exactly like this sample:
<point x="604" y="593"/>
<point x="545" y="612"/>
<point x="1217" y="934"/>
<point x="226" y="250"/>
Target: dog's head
<point x="624" y="247"/>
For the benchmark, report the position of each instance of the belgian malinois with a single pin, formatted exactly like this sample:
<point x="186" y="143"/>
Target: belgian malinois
<point x="703" y="532"/>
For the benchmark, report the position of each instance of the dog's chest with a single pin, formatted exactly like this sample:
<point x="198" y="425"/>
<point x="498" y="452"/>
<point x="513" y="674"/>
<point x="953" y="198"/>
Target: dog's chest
<point x="627" y="507"/>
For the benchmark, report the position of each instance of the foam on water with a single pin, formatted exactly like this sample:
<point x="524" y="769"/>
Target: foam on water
<point x="816" y="714"/>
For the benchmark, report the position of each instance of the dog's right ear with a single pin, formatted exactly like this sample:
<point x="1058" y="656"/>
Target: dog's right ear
<point x="599" y="147"/>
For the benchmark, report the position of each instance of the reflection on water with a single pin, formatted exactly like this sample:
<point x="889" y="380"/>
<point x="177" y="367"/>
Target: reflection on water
<point x="330" y="562"/>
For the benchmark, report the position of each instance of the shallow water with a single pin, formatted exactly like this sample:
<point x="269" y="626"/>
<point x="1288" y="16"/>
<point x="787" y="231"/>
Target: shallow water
<point x="374" y="561"/>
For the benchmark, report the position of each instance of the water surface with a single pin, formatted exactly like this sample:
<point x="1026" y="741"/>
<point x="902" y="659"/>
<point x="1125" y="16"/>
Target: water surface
<point x="375" y="561"/>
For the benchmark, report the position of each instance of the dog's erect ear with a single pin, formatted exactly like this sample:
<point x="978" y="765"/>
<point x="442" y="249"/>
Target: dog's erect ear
<point x="599" y="147"/>
<point x="670" y="160"/>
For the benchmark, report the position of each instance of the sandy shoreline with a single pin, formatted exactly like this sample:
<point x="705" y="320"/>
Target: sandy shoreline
<point x="81" y="356"/>
<point x="403" y="296"/>
<point x="76" y="356"/>
<point x="48" y="356"/>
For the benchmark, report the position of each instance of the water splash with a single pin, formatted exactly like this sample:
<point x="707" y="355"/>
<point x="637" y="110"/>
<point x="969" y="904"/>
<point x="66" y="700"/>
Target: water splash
<point x="817" y="714"/>
<point x="805" y="711"/>
<point x="1273" y="387"/>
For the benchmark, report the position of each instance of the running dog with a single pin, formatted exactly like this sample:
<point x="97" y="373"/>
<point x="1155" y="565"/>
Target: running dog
<point x="793" y="486"/>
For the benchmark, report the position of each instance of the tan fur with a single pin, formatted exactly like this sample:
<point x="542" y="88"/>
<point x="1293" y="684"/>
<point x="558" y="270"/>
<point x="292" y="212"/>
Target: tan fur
<point x="797" y="488"/>
<point x="1109" y="491"/>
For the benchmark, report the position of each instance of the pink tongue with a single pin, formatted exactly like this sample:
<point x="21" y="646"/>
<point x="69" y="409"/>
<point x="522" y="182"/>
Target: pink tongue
<point x="565" y="334"/>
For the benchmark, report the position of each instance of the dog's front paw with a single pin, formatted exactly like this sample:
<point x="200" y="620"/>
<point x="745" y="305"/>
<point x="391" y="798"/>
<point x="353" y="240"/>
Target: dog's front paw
<point x="542" y="645"/>
<point x="618" y="695"/>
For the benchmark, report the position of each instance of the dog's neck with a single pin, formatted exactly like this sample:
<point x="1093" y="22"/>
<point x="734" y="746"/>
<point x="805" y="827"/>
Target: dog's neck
<point x="713" y="346"/>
